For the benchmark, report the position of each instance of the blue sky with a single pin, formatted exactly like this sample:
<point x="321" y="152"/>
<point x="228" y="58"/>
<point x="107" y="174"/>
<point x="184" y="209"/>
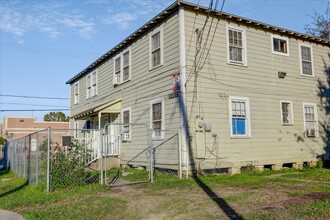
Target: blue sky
<point x="44" y="43"/>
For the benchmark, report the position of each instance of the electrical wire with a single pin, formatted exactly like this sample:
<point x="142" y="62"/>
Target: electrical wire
<point x="25" y="104"/>
<point x="33" y="110"/>
<point x="45" y="50"/>
<point x="33" y="97"/>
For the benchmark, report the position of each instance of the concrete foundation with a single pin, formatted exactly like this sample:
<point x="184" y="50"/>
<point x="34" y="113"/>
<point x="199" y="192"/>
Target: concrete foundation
<point x="234" y="170"/>
<point x="278" y="166"/>
<point x="297" y="165"/>
<point x="259" y="168"/>
<point x="109" y="162"/>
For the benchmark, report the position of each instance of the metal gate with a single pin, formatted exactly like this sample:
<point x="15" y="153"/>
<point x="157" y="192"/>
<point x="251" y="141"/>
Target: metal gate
<point x="126" y="154"/>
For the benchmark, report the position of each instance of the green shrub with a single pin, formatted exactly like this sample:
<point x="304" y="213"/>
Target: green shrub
<point x="67" y="168"/>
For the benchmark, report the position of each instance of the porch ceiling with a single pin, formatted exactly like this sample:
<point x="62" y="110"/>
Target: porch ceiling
<point x="112" y="107"/>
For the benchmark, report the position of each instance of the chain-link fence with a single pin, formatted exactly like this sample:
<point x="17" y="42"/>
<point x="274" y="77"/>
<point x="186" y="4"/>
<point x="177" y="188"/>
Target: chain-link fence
<point x="118" y="154"/>
<point x="26" y="156"/>
<point x="72" y="158"/>
<point x="167" y="154"/>
<point x="131" y="162"/>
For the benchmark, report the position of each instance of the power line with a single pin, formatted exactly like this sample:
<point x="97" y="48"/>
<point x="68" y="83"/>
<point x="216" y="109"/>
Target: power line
<point x="33" y="110"/>
<point x="45" y="50"/>
<point x="25" y="104"/>
<point x="33" y="97"/>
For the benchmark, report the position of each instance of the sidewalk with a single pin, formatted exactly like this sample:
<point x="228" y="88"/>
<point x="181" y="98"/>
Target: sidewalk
<point x="7" y="215"/>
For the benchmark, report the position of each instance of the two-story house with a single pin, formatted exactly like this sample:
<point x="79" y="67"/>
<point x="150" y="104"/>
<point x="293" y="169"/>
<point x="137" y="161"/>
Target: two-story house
<point x="239" y="91"/>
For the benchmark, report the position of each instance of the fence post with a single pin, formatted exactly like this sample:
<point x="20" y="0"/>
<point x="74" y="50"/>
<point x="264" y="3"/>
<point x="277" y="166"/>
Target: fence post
<point x="48" y="160"/>
<point x="101" y="156"/>
<point x="5" y="155"/>
<point x="152" y="156"/>
<point x="37" y="159"/>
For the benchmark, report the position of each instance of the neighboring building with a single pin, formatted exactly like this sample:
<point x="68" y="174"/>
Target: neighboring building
<point x="249" y="90"/>
<point x="17" y="127"/>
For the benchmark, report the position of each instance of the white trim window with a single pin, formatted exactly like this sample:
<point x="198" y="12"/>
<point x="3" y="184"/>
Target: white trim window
<point x="236" y="45"/>
<point x="306" y="60"/>
<point x="157" y="118"/>
<point x="286" y="113"/>
<point x="117" y="70"/>
<point x="239" y="110"/>
<point x="122" y="67"/>
<point x="156" y="48"/>
<point x="310" y="120"/>
<point x="126" y="121"/>
<point x="280" y="45"/>
<point x="91" y="84"/>
<point x="76" y="93"/>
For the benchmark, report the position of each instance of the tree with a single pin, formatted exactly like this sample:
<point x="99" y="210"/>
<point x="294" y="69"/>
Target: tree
<point x="320" y="27"/>
<point x="2" y="141"/>
<point x="56" y="116"/>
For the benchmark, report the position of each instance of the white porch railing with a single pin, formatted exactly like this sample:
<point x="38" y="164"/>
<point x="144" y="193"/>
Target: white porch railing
<point x="91" y="141"/>
<point x="111" y="144"/>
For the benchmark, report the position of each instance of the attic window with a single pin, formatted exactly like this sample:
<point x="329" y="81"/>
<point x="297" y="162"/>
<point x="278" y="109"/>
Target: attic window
<point x="280" y="45"/>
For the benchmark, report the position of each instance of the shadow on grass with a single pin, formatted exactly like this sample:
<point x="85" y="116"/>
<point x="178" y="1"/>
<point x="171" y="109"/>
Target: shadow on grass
<point x="15" y="189"/>
<point x="222" y="204"/>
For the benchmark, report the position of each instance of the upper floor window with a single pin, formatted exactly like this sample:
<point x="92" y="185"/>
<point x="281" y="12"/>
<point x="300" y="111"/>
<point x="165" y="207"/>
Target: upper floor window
<point x="239" y="117"/>
<point x="76" y="93"/>
<point x="306" y="60"/>
<point x="122" y="67"/>
<point x="286" y="113"/>
<point x="126" y="120"/>
<point x="91" y="84"/>
<point x="236" y="45"/>
<point x="310" y="119"/>
<point x="157" y="118"/>
<point x="156" y="48"/>
<point x="280" y="45"/>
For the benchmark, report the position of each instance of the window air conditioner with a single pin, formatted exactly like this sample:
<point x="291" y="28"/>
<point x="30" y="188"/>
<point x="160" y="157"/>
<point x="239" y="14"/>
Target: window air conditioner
<point x="310" y="132"/>
<point x="115" y="80"/>
<point x="125" y="137"/>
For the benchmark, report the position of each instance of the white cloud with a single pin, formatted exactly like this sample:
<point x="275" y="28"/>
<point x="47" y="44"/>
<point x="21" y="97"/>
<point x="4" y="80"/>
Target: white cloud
<point x="122" y="13"/>
<point x="10" y="22"/>
<point x="50" y="18"/>
<point x="121" y="19"/>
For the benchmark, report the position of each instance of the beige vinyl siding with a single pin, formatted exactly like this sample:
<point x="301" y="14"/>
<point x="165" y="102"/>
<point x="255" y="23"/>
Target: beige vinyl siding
<point x="145" y="85"/>
<point x="270" y="141"/>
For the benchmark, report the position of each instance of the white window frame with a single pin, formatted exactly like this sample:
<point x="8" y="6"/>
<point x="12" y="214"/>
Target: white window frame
<point x="90" y="85"/>
<point x="248" y="117"/>
<point x="290" y="113"/>
<point x="75" y="125"/>
<point x="155" y="31"/>
<point x="129" y="109"/>
<point x="121" y="68"/>
<point x="317" y="134"/>
<point x="155" y="101"/>
<point x="280" y="38"/>
<point x="76" y="93"/>
<point x="244" y="54"/>
<point x="300" y="59"/>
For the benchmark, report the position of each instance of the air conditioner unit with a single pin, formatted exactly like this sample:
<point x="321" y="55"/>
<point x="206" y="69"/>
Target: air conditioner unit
<point x="115" y="80"/>
<point x="310" y="132"/>
<point x="125" y="137"/>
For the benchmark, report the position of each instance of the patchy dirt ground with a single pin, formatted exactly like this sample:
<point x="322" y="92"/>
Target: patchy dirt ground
<point x="221" y="202"/>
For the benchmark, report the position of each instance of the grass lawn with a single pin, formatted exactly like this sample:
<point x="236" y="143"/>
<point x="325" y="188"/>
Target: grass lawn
<point x="266" y="195"/>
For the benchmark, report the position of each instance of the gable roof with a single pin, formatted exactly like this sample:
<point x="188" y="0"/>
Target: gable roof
<point x="201" y="9"/>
